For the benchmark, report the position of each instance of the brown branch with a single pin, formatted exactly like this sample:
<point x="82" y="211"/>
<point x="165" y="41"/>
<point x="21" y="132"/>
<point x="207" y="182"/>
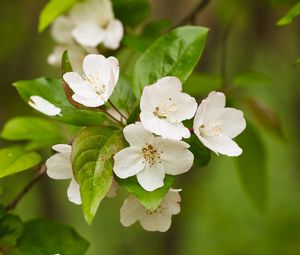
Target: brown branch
<point x="28" y="187"/>
<point x="193" y="14"/>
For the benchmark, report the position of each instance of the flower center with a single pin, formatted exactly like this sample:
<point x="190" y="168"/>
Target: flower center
<point x="165" y="109"/>
<point x="151" y="155"/>
<point x="94" y="83"/>
<point x="159" y="209"/>
<point x="213" y="129"/>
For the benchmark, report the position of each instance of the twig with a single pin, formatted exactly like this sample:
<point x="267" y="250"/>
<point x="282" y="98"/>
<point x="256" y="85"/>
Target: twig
<point x="113" y="106"/>
<point x="193" y="14"/>
<point x="25" y="190"/>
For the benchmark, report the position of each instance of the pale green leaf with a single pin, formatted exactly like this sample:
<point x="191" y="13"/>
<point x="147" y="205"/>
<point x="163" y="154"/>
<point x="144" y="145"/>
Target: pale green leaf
<point x="290" y="15"/>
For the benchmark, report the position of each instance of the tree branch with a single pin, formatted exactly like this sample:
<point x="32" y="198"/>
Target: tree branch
<point x="28" y="187"/>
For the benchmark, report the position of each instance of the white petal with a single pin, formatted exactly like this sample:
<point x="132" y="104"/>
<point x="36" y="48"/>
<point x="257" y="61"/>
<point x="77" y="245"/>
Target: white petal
<point x="114" y="76"/>
<point x="221" y="144"/>
<point x="232" y="121"/>
<point x="168" y="85"/>
<point x="112" y="192"/>
<point x="163" y="127"/>
<point x="44" y="106"/>
<point x="54" y="59"/>
<point x="61" y="30"/>
<point x="150" y="99"/>
<point x="187" y="107"/>
<point x="175" y="158"/>
<point x="128" y="162"/>
<point x="89" y="102"/>
<point x="215" y="100"/>
<point x="156" y="222"/>
<point x="172" y="202"/>
<point x="136" y="135"/>
<point x="74" y="192"/>
<point x="59" y="167"/>
<point x="114" y="34"/>
<point x="152" y="177"/>
<point x="64" y="148"/>
<point x="131" y="211"/>
<point x="88" y="34"/>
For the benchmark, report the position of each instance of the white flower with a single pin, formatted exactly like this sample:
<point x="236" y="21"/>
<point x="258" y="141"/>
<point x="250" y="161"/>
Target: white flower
<point x="157" y="220"/>
<point x="61" y="30"/>
<point x="164" y="107"/>
<point x="96" y="85"/>
<point x="150" y="157"/>
<point x="95" y="23"/>
<point x="44" y="106"/>
<point x="59" y="167"/>
<point x="216" y="125"/>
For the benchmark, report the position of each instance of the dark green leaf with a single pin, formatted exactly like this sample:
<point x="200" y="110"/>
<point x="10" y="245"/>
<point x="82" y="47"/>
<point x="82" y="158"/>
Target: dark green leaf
<point x="39" y="132"/>
<point x="43" y="237"/>
<point x="11" y="228"/>
<point x="92" y="152"/>
<point x="252" y="166"/>
<point x="290" y="15"/>
<point x="199" y="84"/>
<point x="15" y="159"/>
<point x="150" y="200"/>
<point x="133" y="117"/>
<point x="131" y="12"/>
<point x="52" y="90"/>
<point x="201" y="153"/>
<point x="52" y="10"/>
<point x="174" y="54"/>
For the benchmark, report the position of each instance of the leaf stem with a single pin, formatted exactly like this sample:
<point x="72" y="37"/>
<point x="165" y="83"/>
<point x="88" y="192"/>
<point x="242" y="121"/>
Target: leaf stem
<point x="28" y="186"/>
<point x="113" y="106"/>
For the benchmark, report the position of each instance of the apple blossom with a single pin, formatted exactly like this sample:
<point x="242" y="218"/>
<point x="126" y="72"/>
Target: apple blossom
<point x="216" y="125"/>
<point x="95" y="23"/>
<point x="59" y="167"/>
<point x="158" y="220"/>
<point x="150" y="157"/>
<point x="42" y="105"/>
<point x="96" y="85"/>
<point x="164" y="107"/>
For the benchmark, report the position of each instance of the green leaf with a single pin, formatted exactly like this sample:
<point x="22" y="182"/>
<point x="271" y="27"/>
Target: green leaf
<point x="39" y="132"/>
<point x="252" y="166"/>
<point x="131" y="12"/>
<point x="296" y="62"/>
<point x="11" y="228"/>
<point x="174" y="54"/>
<point x="149" y="199"/>
<point x="134" y="115"/>
<point x="15" y="159"/>
<point x="44" y="237"/>
<point x="199" y="84"/>
<point x="123" y="97"/>
<point x="52" y="10"/>
<point x="65" y="63"/>
<point x="201" y="153"/>
<point x="290" y="15"/>
<point x="52" y="90"/>
<point x="251" y="78"/>
<point x="92" y="152"/>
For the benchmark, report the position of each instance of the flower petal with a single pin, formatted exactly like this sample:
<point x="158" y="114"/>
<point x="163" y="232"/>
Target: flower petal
<point x="114" y="34"/>
<point x="89" y="102"/>
<point x="89" y="34"/>
<point x="176" y="158"/>
<point x="131" y="211"/>
<point x="172" y="202"/>
<point x="156" y="222"/>
<point x="128" y="162"/>
<point x="61" y="30"/>
<point x="163" y="127"/>
<point x="59" y="167"/>
<point x="152" y="177"/>
<point x="63" y="148"/>
<point x="221" y="144"/>
<point x="42" y="105"/>
<point x="74" y="192"/>
<point x="136" y="135"/>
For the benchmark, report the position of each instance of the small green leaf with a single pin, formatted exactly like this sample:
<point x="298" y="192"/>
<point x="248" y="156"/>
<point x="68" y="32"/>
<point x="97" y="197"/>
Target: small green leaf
<point x="201" y="153"/>
<point x="251" y="78"/>
<point x="290" y="15"/>
<point x="44" y="237"/>
<point x="199" y="84"/>
<point x="174" y="54"/>
<point x="52" y="10"/>
<point x="296" y="62"/>
<point x="65" y="63"/>
<point x="11" y="228"/>
<point x="15" y="159"/>
<point x="39" y="132"/>
<point x="52" y="90"/>
<point x="252" y="166"/>
<point x="131" y="12"/>
<point x="150" y="200"/>
<point x="123" y="97"/>
<point x="92" y="152"/>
